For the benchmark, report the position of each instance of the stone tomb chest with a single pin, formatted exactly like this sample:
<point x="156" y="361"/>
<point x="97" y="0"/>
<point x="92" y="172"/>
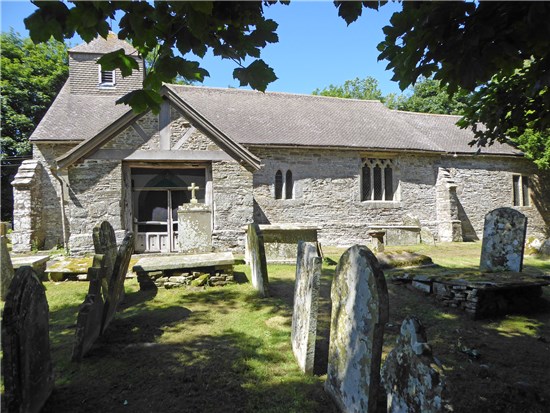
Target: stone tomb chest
<point x="281" y="241"/>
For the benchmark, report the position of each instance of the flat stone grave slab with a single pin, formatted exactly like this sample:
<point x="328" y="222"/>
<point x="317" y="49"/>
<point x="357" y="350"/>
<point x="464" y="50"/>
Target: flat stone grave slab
<point x="481" y="295"/>
<point x="171" y="270"/>
<point x="62" y="268"/>
<point x="37" y="262"/>
<point x="401" y="259"/>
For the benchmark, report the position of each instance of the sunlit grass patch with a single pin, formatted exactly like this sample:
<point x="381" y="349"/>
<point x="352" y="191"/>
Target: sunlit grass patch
<point x="517" y="325"/>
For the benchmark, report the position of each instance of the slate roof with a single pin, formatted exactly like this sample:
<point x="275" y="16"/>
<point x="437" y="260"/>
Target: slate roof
<point x="73" y="117"/>
<point x="282" y="119"/>
<point x="101" y="46"/>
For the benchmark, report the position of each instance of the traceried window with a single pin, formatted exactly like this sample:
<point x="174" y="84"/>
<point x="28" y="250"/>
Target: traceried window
<point x="377" y="180"/>
<point x="289" y="185"/>
<point x="520" y="188"/>
<point x="279" y="185"/>
<point x="106" y="77"/>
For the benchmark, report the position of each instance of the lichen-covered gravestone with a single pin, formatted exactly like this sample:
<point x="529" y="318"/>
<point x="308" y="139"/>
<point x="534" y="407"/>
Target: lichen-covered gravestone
<point x="27" y="363"/>
<point x="360" y="311"/>
<point x="306" y="304"/>
<point x="106" y="289"/>
<point x="503" y="240"/>
<point x="7" y="273"/>
<point x="258" y="263"/>
<point x="410" y="373"/>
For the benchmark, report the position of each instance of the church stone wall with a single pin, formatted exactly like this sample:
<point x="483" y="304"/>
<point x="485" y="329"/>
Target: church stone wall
<point x="327" y="192"/>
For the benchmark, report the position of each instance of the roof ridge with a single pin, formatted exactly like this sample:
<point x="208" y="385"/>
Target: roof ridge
<point x="411" y="112"/>
<point x="238" y="90"/>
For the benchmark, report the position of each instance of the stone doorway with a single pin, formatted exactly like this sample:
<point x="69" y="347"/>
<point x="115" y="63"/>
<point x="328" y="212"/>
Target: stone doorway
<point x="156" y="196"/>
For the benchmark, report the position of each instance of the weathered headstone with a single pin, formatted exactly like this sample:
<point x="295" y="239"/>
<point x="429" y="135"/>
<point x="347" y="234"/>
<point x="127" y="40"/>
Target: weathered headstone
<point x="412" y="383"/>
<point x="7" y="268"/>
<point x="115" y="293"/>
<point x="503" y="240"/>
<point x="306" y="304"/>
<point x="90" y="312"/>
<point x="27" y="363"/>
<point x="258" y="263"/>
<point x="360" y="310"/>
<point x="106" y="288"/>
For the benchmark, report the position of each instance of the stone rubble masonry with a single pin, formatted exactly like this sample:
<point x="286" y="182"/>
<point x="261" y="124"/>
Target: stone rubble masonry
<point x="360" y="310"/>
<point x="327" y="192"/>
<point x="306" y="304"/>
<point x="84" y="76"/>
<point x="503" y="241"/>
<point x="412" y="383"/>
<point x="26" y="360"/>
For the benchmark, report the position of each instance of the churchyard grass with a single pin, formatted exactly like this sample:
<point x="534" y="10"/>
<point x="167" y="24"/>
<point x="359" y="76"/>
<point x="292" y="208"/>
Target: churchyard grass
<point x="224" y="349"/>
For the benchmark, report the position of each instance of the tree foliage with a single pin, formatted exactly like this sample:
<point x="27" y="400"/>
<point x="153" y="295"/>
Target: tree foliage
<point x="32" y="75"/>
<point x="498" y="51"/>
<point x="168" y="33"/>
<point x="367" y="89"/>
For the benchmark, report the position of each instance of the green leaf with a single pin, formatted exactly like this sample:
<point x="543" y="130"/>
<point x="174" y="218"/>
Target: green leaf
<point x="258" y="75"/>
<point x="142" y="100"/>
<point x="118" y="60"/>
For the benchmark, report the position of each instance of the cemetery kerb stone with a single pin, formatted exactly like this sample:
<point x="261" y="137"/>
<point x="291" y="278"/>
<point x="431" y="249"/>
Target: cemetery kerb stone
<point x="27" y="363"/>
<point x="306" y="304"/>
<point x="411" y="382"/>
<point x="258" y="263"/>
<point x="503" y="241"/>
<point x="7" y="268"/>
<point x="360" y="311"/>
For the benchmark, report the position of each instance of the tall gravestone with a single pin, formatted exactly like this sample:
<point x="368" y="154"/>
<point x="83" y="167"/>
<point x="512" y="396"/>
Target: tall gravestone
<point x="7" y="273"/>
<point x="106" y="289"/>
<point x="360" y="311"/>
<point x="258" y="263"/>
<point x="411" y="382"/>
<point x="27" y="363"/>
<point x="306" y="304"/>
<point x="503" y="241"/>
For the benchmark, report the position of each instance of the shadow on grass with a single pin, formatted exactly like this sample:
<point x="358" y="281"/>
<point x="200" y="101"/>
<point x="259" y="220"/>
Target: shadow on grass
<point x="229" y="372"/>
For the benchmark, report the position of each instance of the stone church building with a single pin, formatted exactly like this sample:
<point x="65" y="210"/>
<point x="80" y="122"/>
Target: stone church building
<point x="344" y="166"/>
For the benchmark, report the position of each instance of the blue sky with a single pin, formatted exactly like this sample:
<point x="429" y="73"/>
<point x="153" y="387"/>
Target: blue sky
<point x="316" y="48"/>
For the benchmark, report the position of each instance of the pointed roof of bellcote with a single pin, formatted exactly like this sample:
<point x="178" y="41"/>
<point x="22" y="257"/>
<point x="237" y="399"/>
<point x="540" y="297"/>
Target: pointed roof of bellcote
<point x="103" y="46"/>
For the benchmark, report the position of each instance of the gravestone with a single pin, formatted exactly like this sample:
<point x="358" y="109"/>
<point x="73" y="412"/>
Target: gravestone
<point x="411" y="382"/>
<point x="7" y="268"/>
<point x="106" y="289"/>
<point x="90" y="312"/>
<point x="360" y="310"/>
<point x="306" y="304"/>
<point x="115" y="292"/>
<point x="258" y="264"/>
<point x="503" y="241"/>
<point x="27" y="363"/>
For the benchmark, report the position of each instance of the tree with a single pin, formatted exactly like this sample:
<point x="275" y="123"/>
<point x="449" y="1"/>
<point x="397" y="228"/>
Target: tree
<point x="429" y="97"/>
<point x="498" y="51"/>
<point x="32" y="75"/>
<point x="367" y="89"/>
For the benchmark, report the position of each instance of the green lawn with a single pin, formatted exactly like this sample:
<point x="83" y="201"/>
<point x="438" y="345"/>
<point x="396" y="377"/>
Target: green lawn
<point x="224" y="349"/>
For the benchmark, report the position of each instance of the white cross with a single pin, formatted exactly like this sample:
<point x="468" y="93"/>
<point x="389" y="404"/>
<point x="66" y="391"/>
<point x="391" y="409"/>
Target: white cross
<point x="193" y="188"/>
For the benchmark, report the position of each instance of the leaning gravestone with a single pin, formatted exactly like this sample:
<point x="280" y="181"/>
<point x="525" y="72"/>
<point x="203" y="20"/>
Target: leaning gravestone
<point x="503" y="241"/>
<point x="258" y="263"/>
<point x="412" y="383"/>
<point x="7" y="268"/>
<point x="115" y="292"/>
<point x="27" y="363"/>
<point x="360" y="311"/>
<point x="306" y="304"/>
<point x="106" y="289"/>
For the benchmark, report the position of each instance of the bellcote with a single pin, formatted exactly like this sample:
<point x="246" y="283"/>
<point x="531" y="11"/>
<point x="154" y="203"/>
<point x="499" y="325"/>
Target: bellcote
<point x="86" y="76"/>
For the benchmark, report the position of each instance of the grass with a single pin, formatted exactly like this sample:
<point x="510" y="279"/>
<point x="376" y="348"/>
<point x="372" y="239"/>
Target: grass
<point x="224" y="349"/>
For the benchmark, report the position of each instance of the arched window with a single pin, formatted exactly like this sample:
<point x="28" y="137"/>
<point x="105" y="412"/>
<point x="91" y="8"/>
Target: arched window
<point x="289" y="185"/>
<point x="278" y="185"/>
